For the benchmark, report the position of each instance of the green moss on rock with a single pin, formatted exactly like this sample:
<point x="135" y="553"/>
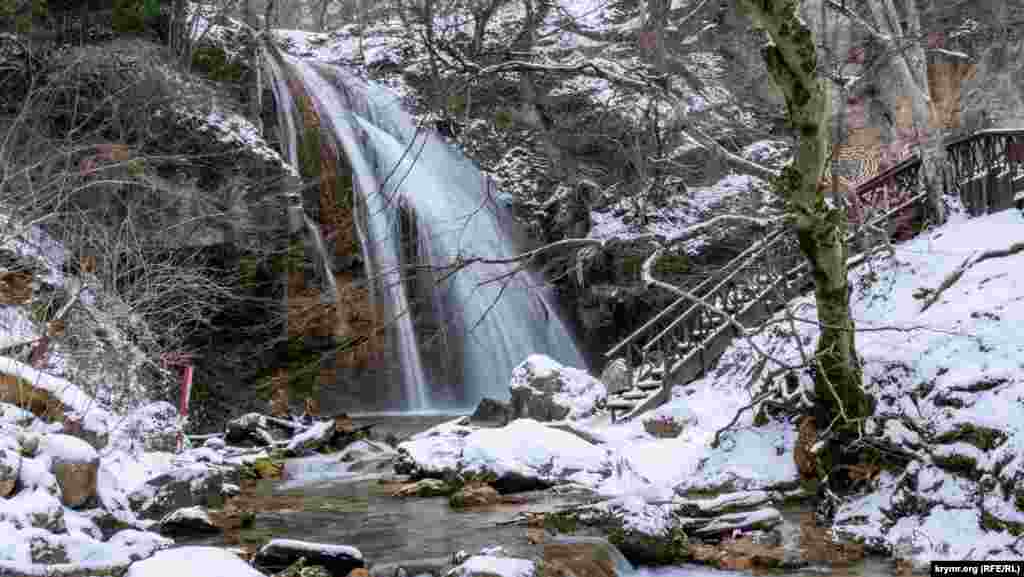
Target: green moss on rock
<point x="984" y="438"/>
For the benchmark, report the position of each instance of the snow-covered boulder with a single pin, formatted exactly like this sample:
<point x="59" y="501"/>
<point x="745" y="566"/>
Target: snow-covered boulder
<point x="279" y="554"/>
<point x="10" y="467"/>
<point x="187" y="521"/>
<point x="34" y="508"/>
<point x="35" y="474"/>
<point x="193" y="562"/>
<point x="182" y="487"/>
<point x="494" y="566"/>
<point x="316" y="436"/>
<point x="250" y="428"/>
<point x="544" y="390"/>
<point x="138" y="545"/>
<point x="523" y="455"/>
<point x="75" y="465"/>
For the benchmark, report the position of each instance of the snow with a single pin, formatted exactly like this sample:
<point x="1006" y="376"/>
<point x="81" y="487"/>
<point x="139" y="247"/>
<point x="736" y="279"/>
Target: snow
<point x="322" y="548"/>
<point x="498" y="566"/>
<point x="528" y="445"/>
<point x="68" y="449"/>
<point x="578" y="391"/>
<point x="193" y="561"/>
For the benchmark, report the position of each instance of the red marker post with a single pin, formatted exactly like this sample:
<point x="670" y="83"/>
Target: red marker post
<point x="183" y="360"/>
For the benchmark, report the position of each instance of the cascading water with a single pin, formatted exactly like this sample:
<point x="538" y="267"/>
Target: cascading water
<point x="500" y="312"/>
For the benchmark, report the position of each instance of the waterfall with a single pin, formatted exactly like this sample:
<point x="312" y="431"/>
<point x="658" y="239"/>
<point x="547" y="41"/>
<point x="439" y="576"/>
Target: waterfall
<point x="405" y="177"/>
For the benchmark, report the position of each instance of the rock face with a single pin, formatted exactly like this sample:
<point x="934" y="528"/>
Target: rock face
<point x="544" y="390"/>
<point x="279" y="554"/>
<point x="10" y="466"/>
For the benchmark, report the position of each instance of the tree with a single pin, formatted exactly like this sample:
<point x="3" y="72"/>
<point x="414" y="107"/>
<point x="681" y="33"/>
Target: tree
<point x="821" y="226"/>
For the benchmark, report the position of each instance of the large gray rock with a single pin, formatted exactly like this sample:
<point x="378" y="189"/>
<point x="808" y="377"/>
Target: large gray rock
<point x="250" y="428"/>
<point x="544" y="390"/>
<point x="279" y="554"/>
<point x="187" y="487"/>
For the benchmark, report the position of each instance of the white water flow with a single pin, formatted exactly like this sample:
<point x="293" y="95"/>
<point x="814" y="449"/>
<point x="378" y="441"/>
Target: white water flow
<point x="502" y="313"/>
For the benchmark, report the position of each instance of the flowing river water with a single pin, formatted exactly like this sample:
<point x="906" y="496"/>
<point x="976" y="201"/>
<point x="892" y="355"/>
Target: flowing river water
<point x="327" y="503"/>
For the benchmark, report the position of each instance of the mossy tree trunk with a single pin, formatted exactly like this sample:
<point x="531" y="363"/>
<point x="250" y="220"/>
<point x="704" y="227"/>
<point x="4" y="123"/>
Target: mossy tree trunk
<point x="821" y="229"/>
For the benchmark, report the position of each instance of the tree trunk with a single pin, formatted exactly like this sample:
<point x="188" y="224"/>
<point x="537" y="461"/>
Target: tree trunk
<point x="792" y="63"/>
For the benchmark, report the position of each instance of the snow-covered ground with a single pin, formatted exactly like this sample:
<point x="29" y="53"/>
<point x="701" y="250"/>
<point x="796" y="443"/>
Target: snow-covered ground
<point x="934" y="372"/>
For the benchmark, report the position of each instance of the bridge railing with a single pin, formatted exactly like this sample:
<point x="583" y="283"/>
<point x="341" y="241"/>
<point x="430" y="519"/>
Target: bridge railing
<point x="755" y="284"/>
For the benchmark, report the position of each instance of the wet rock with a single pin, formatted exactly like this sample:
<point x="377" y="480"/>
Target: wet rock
<point x="434" y="567"/>
<point x="10" y="467"/>
<point x="338" y="560"/>
<point x="493" y="566"/>
<point x="578" y="560"/>
<point x="186" y="487"/>
<point x="423" y="488"/>
<point x="250" y="428"/>
<point x="187" y="522"/>
<point x="474" y="495"/>
<point x="491" y="411"/>
<point x="544" y="390"/>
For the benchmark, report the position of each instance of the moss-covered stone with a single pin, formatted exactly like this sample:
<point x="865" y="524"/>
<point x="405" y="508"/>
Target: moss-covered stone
<point x="990" y="522"/>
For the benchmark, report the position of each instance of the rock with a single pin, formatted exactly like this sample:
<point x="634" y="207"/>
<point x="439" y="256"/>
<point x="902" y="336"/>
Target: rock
<point x="35" y="474"/>
<point x="250" y="428"/>
<point x="186" y="487"/>
<point x="312" y="438"/>
<point x="75" y="465"/>
<point x="474" y="495"/>
<point x="491" y="411"/>
<point x="279" y="554"/>
<point x="139" y="544"/>
<point x="10" y="468"/>
<point x="490" y="566"/>
<point x="765" y="518"/>
<point x="215" y="443"/>
<point x="359" y="572"/>
<point x="44" y="551"/>
<point x="580" y="559"/>
<point x="186" y="522"/>
<point x="544" y="390"/>
<point x="722" y="504"/>
<point x="193" y="562"/>
<point x="617" y="376"/>
<point x="434" y="566"/>
<point x="34" y="508"/>
<point x="423" y="488"/>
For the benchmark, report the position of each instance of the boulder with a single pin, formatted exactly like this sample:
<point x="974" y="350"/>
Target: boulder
<point x="193" y="562"/>
<point x="187" y="522"/>
<point x="250" y="428"/>
<point x="10" y="468"/>
<point x="35" y="474"/>
<point x="544" y="390"/>
<point x="34" y="508"/>
<point x="494" y="566"/>
<point x="279" y="554"/>
<point x="75" y="465"/>
<point x="186" y="487"/>
<point x="474" y="495"/>
<point x="582" y="558"/>
<point x="617" y="376"/>
<point x="313" y="438"/>
<point x="491" y="411"/>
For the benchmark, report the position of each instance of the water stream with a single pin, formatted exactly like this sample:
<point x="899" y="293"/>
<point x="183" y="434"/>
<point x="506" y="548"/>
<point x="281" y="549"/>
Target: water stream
<point x="406" y="177"/>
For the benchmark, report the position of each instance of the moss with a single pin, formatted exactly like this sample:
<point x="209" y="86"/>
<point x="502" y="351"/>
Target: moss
<point x="961" y="465"/>
<point x="265" y="468"/>
<point x="632" y="264"/>
<point x="128" y="16"/>
<point x="503" y="120"/>
<point x="761" y="418"/>
<point x="248" y="271"/>
<point x="984" y="438"/>
<point x="213" y="62"/>
<point x="672" y="264"/>
<point x="309" y="152"/>
<point x="1018" y="500"/>
<point x="562" y="522"/>
<point x="990" y="522"/>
